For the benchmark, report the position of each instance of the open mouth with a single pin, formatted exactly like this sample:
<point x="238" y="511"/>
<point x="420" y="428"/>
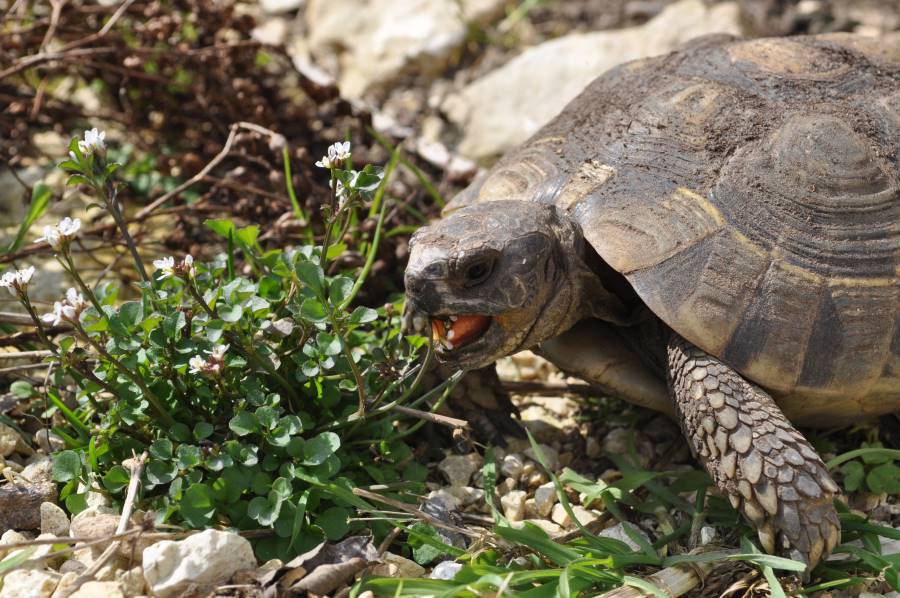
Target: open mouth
<point x="454" y="332"/>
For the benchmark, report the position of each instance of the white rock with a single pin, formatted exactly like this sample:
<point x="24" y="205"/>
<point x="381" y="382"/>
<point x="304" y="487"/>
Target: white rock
<point x="548" y="526"/>
<point x="512" y="465"/>
<point x="66" y="584"/>
<point x="506" y="486"/>
<point x="379" y="40"/>
<point x="458" y="469"/>
<point x="560" y="517"/>
<point x="9" y="439"/>
<point x="48" y="441"/>
<point x="54" y="520"/>
<point x="10" y="537"/>
<point x="707" y="534"/>
<point x="445" y="496"/>
<point x="445" y="570"/>
<point x="544" y="499"/>
<point x="466" y="495"/>
<point x="505" y="107"/>
<point x="550" y="454"/>
<point x="271" y="31"/>
<point x="513" y="504"/>
<point x="617" y="532"/>
<point x="205" y="558"/>
<point x="28" y="583"/>
<point x="99" y="589"/>
<point x="40" y="470"/>
<point x="279" y="6"/>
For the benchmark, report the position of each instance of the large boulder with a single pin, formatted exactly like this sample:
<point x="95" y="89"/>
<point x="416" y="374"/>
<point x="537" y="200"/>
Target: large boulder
<point x="373" y="42"/>
<point x="505" y="107"/>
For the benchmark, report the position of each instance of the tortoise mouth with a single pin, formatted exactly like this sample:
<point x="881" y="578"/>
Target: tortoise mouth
<point x="456" y="334"/>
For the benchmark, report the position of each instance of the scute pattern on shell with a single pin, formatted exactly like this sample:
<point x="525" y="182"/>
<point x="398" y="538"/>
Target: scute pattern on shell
<point x="750" y="192"/>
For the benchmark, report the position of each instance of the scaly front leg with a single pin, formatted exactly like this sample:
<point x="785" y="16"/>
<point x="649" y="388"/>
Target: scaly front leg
<point x="757" y="458"/>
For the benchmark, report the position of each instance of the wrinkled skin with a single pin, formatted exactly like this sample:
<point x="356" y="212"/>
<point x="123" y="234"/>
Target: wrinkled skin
<point x="514" y="261"/>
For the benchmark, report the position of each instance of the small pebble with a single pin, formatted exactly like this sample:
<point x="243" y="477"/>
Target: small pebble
<point x="513" y="504"/>
<point x="458" y="469"/>
<point x="444" y="570"/>
<point x="707" y="534"/>
<point x="512" y="465"/>
<point x="54" y="520"/>
<point x="544" y="499"/>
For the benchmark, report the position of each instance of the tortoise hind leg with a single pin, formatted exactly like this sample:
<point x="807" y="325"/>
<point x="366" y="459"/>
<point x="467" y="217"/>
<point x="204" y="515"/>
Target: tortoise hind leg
<point x="755" y="456"/>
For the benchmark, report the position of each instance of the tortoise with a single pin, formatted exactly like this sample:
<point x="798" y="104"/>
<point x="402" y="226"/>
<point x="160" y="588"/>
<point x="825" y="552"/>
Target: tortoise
<point x="712" y="233"/>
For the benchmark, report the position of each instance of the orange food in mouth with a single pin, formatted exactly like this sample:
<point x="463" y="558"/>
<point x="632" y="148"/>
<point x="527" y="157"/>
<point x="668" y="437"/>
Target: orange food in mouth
<point x="456" y="331"/>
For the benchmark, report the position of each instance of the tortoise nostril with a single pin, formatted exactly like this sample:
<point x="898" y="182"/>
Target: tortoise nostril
<point x="415" y="283"/>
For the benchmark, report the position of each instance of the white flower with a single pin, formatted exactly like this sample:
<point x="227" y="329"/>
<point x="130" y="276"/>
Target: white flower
<point x="59" y="235"/>
<point x="54" y="318"/>
<point x="166" y="265"/>
<point x="17" y="280"/>
<point x="218" y="353"/>
<point x="75" y="299"/>
<point x="211" y="365"/>
<point x="9" y="281"/>
<point x="67" y="309"/>
<point x="187" y="265"/>
<point x="337" y="153"/>
<point x="24" y="276"/>
<point x="198" y="364"/>
<point x="93" y="140"/>
<point x="69" y="227"/>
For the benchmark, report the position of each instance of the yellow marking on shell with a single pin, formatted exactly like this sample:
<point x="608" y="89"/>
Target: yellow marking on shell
<point x="745" y="241"/>
<point x="783" y="262"/>
<point x="591" y="175"/>
<point x="636" y="236"/>
<point x="886" y="281"/>
<point x="687" y="197"/>
<point x="787" y="58"/>
<point x="799" y="271"/>
<point x="552" y="140"/>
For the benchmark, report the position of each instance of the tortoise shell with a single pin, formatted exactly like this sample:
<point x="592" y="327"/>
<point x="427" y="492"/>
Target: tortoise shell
<point x="750" y="193"/>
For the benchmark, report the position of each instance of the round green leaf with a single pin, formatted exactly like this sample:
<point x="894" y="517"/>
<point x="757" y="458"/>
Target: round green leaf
<point x="188" y="456"/>
<point x="197" y="506"/>
<point x="66" y="466"/>
<point x="319" y="448"/>
<point x="161" y="448"/>
<point x="243" y="423"/>
<point x="202" y="430"/>
<point x="334" y="522"/>
<point x="230" y="313"/>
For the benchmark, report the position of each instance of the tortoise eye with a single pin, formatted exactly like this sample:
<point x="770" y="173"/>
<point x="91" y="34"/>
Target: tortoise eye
<point x="478" y="272"/>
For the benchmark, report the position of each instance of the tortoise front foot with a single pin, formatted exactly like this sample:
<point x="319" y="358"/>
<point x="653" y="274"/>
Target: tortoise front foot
<point x="757" y="458"/>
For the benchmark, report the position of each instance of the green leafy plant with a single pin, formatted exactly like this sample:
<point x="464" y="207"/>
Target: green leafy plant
<point x="261" y="401"/>
<point x="871" y="467"/>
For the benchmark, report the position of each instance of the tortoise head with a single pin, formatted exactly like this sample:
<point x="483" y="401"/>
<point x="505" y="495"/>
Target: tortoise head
<point x="494" y="278"/>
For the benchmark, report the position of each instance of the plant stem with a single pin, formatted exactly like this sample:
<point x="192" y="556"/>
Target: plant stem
<point x="370" y="259"/>
<point x="289" y="183"/>
<point x="332" y="217"/>
<point x="151" y="397"/>
<point x="345" y="348"/>
<point x="69" y="266"/>
<point x="39" y="326"/>
<point x="108" y="193"/>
